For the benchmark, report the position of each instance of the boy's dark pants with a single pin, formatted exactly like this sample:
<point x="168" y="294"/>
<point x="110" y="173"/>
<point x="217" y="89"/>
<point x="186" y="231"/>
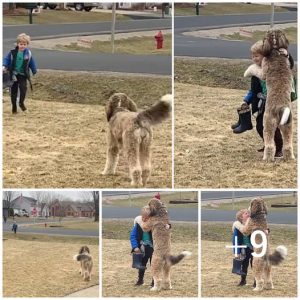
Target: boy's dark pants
<point x="147" y="256"/>
<point x="245" y="264"/>
<point x="21" y="84"/>
<point x="260" y="129"/>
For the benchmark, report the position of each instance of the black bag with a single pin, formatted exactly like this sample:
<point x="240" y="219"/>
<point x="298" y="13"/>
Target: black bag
<point x="137" y="261"/>
<point x="237" y="265"/>
<point x="7" y="82"/>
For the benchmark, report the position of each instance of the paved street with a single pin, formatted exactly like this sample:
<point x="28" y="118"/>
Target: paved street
<point x="205" y="47"/>
<point x="76" y="61"/>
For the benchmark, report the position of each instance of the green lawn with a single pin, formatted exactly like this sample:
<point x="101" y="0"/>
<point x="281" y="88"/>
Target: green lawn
<point x="60" y="16"/>
<point x="225" y="8"/>
<point x="71" y="225"/>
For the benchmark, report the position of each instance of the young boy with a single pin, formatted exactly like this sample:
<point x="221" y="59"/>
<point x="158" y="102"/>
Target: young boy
<point x="244" y="253"/>
<point x="18" y="62"/>
<point x="141" y="242"/>
<point x="256" y="97"/>
<point x="14" y="227"/>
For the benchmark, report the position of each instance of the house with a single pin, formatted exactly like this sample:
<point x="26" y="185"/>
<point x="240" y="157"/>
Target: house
<point x="27" y="203"/>
<point x="72" y="209"/>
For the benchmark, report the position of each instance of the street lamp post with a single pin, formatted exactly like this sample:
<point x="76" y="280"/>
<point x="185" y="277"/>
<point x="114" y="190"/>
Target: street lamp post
<point x="113" y="25"/>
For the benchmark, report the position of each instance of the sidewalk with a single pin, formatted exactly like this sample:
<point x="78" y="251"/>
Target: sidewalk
<point x="89" y="292"/>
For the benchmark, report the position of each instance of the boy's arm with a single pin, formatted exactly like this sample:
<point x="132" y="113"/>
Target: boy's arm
<point x="146" y="224"/>
<point x="32" y="66"/>
<point x="133" y="237"/>
<point x="254" y="70"/>
<point x="7" y="60"/>
<point x="248" y="97"/>
<point x="238" y="225"/>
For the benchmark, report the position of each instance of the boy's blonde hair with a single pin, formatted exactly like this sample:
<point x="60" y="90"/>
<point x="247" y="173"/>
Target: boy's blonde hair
<point x="257" y="47"/>
<point x="23" y="37"/>
<point x="145" y="211"/>
<point x="239" y="214"/>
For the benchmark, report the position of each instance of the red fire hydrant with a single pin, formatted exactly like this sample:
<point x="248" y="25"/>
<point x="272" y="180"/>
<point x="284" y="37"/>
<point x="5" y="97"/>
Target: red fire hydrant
<point x="159" y="40"/>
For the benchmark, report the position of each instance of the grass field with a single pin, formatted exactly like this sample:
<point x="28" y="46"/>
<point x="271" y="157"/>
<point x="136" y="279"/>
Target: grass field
<point x="269" y="201"/>
<point x="61" y="140"/>
<point x="60" y="16"/>
<point x="142" y="45"/>
<point x="216" y="277"/>
<point x="291" y="34"/>
<point x="207" y="153"/>
<point x="41" y="266"/>
<point x="225" y="9"/>
<point x="118" y="276"/>
<point x="140" y="201"/>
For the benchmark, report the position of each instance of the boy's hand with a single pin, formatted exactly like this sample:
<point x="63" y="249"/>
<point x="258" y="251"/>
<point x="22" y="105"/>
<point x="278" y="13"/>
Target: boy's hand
<point x="137" y="250"/>
<point x="4" y="69"/>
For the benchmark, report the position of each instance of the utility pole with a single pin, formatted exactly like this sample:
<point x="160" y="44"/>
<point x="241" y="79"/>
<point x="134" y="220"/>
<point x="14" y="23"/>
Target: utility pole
<point x="113" y="25"/>
<point x="272" y="15"/>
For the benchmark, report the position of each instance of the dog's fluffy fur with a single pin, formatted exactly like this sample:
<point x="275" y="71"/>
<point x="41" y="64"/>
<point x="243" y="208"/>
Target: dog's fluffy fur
<point x="262" y="265"/>
<point x="131" y="131"/>
<point x="278" y="76"/>
<point x="162" y="260"/>
<point x="86" y="262"/>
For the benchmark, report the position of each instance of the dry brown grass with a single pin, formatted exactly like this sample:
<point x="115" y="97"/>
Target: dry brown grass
<point x="119" y="278"/>
<point x="58" y="144"/>
<point x="216" y="265"/>
<point x="41" y="269"/>
<point x="208" y="154"/>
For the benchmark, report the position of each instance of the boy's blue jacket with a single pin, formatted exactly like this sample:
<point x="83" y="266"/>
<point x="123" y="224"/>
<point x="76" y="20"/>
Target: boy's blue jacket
<point x="9" y="60"/>
<point x="136" y="235"/>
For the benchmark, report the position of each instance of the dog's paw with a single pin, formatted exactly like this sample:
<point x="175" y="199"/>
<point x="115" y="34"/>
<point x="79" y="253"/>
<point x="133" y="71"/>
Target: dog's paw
<point x="154" y="289"/>
<point x="269" y="286"/>
<point x="258" y="289"/>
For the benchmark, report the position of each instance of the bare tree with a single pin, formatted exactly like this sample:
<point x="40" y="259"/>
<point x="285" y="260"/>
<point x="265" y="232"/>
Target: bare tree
<point x="94" y="196"/>
<point x="8" y="196"/>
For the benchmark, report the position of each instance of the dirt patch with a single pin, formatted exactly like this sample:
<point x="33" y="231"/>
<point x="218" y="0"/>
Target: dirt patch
<point x="208" y="154"/>
<point x="38" y="269"/>
<point x="58" y="144"/>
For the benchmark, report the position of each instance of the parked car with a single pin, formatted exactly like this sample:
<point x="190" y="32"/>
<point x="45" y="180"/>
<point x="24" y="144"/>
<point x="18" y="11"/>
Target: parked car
<point x="83" y="6"/>
<point x="48" y="5"/>
<point x="20" y="213"/>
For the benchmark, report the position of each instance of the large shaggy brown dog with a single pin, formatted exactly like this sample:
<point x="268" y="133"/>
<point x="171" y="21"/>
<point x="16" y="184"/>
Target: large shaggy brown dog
<point x="131" y="131"/>
<point x="278" y="76"/>
<point x="262" y="265"/>
<point x="157" y="222"/>
<point x="86" y="262"/>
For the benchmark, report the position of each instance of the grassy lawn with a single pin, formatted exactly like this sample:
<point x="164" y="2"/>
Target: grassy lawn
<point x="41" y="266"/>
<point x="225" y="8"/>
<point x="118" y="276"/>
<point x="216" y="263"/>
<point x="270" y="201"/>
<point x="134" y="45"/>
<point x="68" y="148"/>
<point x="141" y="201"/>
<point x="290" y="32"/>
<point x="59" y="16"/>
<point x="83" y="225"/>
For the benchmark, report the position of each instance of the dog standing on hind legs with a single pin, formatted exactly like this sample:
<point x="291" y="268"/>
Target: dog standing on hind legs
<point x="131" y="131"/>
<point x="278" y="75"/>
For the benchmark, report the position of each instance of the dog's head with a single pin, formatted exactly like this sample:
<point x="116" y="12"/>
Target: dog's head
<point x="274" y="39"/>
<point x="258" y="207"/>
<point x="156" y="207"/>
<point x="84" y="249"/>
<point x="119" y="101"/>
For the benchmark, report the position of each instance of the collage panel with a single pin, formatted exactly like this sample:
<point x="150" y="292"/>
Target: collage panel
<point x="149" y="244"/>
<point x="50" y="244"/>
<point x="249" y="244"/>
<point x="228" y="134"/>
<point x="99" y="93"/>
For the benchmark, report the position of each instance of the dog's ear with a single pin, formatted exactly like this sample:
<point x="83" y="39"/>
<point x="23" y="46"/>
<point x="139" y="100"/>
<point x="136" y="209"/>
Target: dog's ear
<point x="81" y="250"/>
<point x="267" y="46"/>
<point x="154" y="205"/>
<point x="265" y="208"/>
<point x="109" y="110"/>
<point x="253" y="207"/>
<point x="131" y="105"/>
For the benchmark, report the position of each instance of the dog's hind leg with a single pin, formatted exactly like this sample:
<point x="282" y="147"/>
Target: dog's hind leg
<point x="166" y="285"/>
<point x="269" y="132"/>
<point x="112" y="156"/>
<point x="287" y="134"/>
<point x="269" y="283"/>
<point x="131" y="147"/>
<point x="145" y="159"/>
<point x="156" y="269"/>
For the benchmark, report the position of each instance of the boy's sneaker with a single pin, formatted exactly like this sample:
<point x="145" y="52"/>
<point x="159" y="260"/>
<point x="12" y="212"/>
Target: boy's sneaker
<point x="278" y="154"/>
<point x="14" y="110"/>
<point x="23" y="107"/>
<point x="139" y="282"/>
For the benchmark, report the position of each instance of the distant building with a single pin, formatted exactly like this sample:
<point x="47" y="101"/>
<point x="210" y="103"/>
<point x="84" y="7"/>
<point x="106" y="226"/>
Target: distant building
<point x="72" y="209"/>
<point x="27" y="203"/>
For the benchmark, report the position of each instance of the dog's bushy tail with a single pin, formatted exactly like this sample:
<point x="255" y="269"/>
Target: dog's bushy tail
<point x="173" y="260"/>
<point x="278" y="255"/>
<point x="157" y="112"/>
<point x="83" y="256"/>
<point x="285" y="115"/>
